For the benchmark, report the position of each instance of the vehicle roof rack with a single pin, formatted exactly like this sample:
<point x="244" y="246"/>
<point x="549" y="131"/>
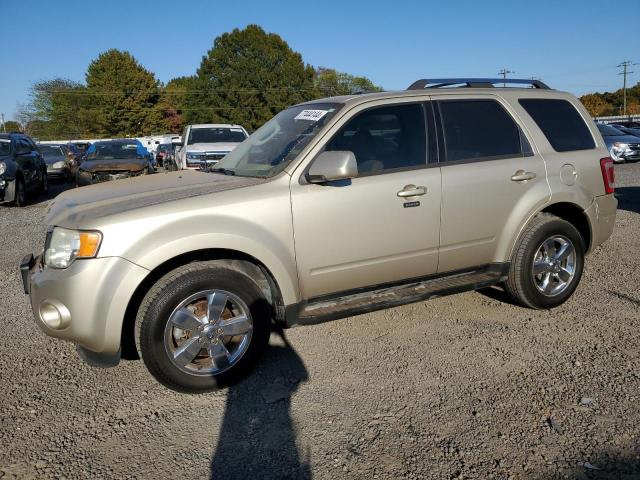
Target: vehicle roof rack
<point x="473" y="83"/>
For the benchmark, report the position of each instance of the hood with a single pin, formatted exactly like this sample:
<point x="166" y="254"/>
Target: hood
<point x="73" y="207"/>
<point x="611" y="139"/>
<point x="211" y="147"/>
<point x="128" y="164"/>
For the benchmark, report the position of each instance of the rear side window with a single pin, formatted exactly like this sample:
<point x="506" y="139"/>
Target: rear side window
<point x="560" y="122"/>
<point x="479" y="130"/>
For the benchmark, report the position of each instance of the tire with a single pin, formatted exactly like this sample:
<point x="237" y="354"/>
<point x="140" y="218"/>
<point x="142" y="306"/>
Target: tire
<point x="44" y="186"/>
<point x="159" y="341"/>
<point x="20" y="198"/>
<point x="542" y="247"/>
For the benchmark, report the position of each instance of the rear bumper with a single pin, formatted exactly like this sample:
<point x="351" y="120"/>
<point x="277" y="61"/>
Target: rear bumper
<point x="602" y="216"/>
<point x="90" y="297"/>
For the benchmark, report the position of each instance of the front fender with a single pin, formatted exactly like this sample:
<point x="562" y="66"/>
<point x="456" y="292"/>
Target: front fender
<point x="261" y="230"/>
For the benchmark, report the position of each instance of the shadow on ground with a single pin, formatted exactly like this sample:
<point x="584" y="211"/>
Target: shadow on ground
<point x="628" y="198"/>
<point x="257" y="438"/>
<point x="497" y="293"/>
<point x="605" y="466"/>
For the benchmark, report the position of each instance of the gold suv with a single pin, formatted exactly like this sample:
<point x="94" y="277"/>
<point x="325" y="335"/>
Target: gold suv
<point x="333" y="208"/>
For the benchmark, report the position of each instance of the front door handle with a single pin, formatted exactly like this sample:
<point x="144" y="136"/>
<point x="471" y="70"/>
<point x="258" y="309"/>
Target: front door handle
<point x="411" y="191"/>
<point x="522" y="176"/>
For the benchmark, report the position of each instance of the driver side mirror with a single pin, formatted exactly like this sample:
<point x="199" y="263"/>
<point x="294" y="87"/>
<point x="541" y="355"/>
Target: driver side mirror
<point x="331" y="166"/>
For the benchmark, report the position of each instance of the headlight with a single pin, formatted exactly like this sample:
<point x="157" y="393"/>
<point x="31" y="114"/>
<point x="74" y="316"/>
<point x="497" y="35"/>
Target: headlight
<point x="194" y="156"/>
<point x="617" y="149"/>
<point x="66" y="245"/>
<point x="3" y="167"/>
<point x="58" y="165"/>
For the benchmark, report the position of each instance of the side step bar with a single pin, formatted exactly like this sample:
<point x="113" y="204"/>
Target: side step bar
<point x="325" y="309"/>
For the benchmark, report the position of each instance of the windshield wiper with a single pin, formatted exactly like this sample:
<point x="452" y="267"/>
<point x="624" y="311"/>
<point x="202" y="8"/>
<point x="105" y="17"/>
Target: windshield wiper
<point x="226" y="171"/>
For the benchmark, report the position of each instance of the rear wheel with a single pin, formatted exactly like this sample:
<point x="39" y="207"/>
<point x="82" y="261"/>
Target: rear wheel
<point x="202" y="326"/>
<point x="547" y="264"/>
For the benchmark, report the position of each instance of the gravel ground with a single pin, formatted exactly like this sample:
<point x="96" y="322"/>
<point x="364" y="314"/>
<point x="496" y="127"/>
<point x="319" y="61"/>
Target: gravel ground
<point x="466" y="386"/>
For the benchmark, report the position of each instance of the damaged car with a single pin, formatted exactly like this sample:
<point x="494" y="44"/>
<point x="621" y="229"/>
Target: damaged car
<point x="22" y="169"/>
<point x="112" y="160"/>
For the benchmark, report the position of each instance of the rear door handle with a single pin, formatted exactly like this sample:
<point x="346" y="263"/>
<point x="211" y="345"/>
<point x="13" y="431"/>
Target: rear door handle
<point x="411" y="191"/>
<point x="522" y="176"/>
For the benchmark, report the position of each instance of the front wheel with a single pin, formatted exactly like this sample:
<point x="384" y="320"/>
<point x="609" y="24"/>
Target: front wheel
<point x="202" y="326"/>
<point x="547" y="264"/>
<point x="44" y="185"/>
<point x="20" y="193"/>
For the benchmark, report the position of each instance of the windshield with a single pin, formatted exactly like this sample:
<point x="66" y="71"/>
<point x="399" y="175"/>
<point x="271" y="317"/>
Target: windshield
<point x="113" y="150"/>
<point x="5" y="146"/>
<point x="216" y="135"/>
<point x="609" y="131"/>
<point x="82" y="146"/>
<point x="273" y="146"/>
<point x="50" y="152"/>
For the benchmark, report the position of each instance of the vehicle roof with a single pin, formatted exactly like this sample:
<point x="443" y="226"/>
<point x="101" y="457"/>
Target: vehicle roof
<point x="507" y="93"/>
<point x="215" y="125"/>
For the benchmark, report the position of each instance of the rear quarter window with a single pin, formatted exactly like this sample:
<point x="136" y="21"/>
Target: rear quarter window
<point x="560" y="122"/>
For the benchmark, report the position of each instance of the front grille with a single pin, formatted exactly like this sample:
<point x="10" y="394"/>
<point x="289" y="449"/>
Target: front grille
<point x="214" y="155"/>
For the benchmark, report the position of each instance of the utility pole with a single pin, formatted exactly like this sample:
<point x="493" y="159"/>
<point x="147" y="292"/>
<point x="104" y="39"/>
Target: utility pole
<point x="625" y="71"/>
<point x="2" y="117"/>
<point x="504" y="73"/>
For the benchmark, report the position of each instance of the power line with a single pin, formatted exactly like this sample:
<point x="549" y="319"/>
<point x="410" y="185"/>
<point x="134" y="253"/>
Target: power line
<point x="625" y="71"/>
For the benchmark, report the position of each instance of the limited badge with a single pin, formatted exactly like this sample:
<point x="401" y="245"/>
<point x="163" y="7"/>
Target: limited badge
<point x="410" y="204"/>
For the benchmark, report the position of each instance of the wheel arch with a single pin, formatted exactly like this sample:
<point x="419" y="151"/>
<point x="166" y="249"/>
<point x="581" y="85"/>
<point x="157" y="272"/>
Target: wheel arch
<point x="576" y="216"/>
<point x="237" y="259"/>
<point x="568" y="211"/>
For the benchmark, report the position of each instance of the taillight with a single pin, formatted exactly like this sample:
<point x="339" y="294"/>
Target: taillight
<point x="608" y="175"/>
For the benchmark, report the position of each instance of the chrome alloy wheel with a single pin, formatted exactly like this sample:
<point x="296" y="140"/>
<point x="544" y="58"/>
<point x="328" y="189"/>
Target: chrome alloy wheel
<point x="208" y="332"/>
<point x="554" y="265"/>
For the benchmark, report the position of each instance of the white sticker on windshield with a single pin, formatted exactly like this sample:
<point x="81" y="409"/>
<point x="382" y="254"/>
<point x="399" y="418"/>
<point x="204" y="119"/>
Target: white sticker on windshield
<point x="312" y="115"/>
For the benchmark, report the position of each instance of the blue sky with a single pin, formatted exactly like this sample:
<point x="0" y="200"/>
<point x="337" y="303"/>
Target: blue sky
<point x="563" y="42"/>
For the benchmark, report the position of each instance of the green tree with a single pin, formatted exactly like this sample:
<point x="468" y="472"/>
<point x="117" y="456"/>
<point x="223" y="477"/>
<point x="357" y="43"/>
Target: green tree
<point x="58" y="108"/>
<point x="125" y="95"/>
<point x="246" y="78"/>
<point x="173" y="102"/>
<point x="329" y="82"/>
<point x="596" y="105"/>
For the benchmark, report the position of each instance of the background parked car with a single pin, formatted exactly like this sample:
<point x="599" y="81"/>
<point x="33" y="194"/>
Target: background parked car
<point x="627" y="124"/>
<point x="207" y="144"/>
<point x="164" y="155"/>
<point x="622" y="147"/>
<point x="81" y="146"/>
<point x="629" y="131"/>
<point x="113" y="160"/>
<point x="22" y="168"/>
<point x="58" y="160"/>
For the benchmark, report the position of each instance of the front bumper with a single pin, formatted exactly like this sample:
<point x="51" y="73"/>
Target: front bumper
<point x="90" y="296"/>
<point x="89" y="178"/>
<point x="57" y="173"/>
<point x="7" y="190"/>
